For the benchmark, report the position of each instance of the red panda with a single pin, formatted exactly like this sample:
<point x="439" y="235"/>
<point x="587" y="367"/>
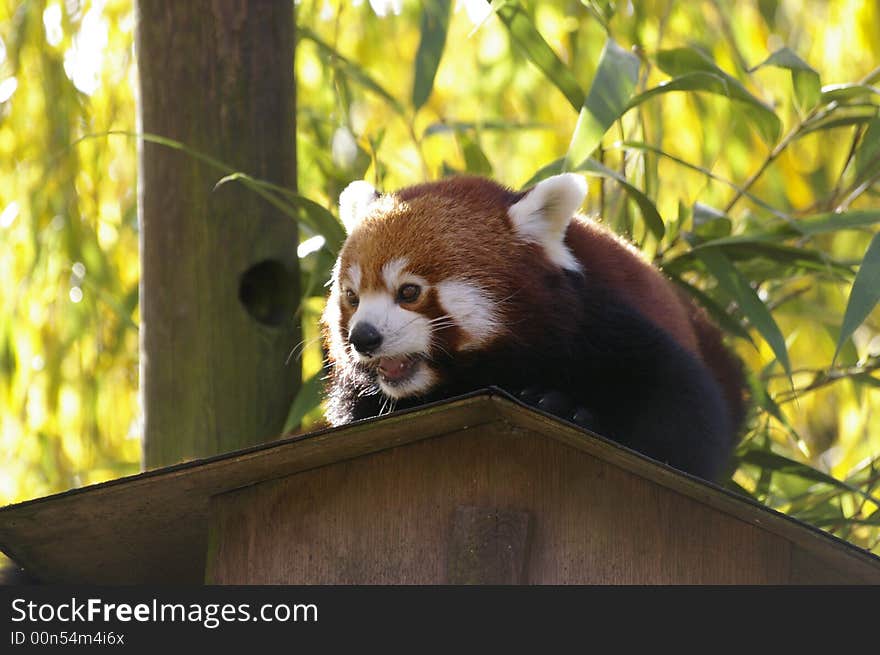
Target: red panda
<point x="451" y="286"/>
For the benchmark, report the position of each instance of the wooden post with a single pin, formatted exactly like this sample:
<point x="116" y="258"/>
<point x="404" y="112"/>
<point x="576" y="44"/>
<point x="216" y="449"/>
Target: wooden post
<point x="220" y="276"/>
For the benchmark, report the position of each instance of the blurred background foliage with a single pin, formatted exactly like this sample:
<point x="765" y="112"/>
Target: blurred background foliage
<point x="736" y="141"/>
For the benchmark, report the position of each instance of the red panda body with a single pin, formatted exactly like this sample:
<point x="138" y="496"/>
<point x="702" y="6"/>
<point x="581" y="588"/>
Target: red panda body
<point x="451" y="286"/>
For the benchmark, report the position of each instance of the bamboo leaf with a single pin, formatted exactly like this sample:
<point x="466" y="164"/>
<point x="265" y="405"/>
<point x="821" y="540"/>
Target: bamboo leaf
<point x="868" y="154"/>
<point x="350" y="69"/>
<point x="607" y="100"/>
<point x="771" y="461"/>
<point x="646" y="147"/>
<point x="733" y="282"/>
<point x="294" y="205"/>
<point x="434" y="26"/>
<point x="745" y="249"/>
<point x="308" y="398"/>
<point x="831" y="222"/>
<point x="847" y="92"/>
<point x="721" y="316"/>
<point x="697" y="81"/>
<point x="804" y="78"/>
<point x="854" y="116"/>
<point x="297" y="207"/>
<point x="864" y="295"/>
<point x="592" y="167"/>
<point x="681" y="61"/>
<point x="710" y="223"/>
<point x="527" y="38"/>
<point x="500" y="126"/>
<point x="474" y="158"/>
<point x="649" y="211"/>
<point x="804" y="227"/>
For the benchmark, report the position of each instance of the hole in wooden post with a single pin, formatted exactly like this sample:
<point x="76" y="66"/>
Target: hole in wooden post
<point x="266" y="292"/>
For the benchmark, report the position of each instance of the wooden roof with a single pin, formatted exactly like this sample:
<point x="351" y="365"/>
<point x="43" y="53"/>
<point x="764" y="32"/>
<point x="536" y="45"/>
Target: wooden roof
<point x="152" y="527"/>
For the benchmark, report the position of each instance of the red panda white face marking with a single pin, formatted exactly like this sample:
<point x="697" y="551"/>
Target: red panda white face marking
<point x="407" y="338"/>
<point x="472" y="309"/>
<point x="425" y="276"/>
<point x="403" y="337"/>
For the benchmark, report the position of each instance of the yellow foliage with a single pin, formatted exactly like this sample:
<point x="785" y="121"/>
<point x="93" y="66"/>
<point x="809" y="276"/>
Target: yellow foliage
<point x="68" y="233"/>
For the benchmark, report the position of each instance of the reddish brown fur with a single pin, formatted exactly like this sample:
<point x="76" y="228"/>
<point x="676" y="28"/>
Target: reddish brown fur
<point x="620" y="267"/>
<point x="461" y="225"/>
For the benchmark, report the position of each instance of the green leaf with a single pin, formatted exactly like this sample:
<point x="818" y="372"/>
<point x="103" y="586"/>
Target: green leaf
<point x="864" y="295"/>
<point x="733" y="282"/>
<point x="288" y="202"/>
<point x="474" y="158"/>
<point x="721" y="316"/>
<point x="607" y="100"/>
<point x="762" y="398"/>
<point x="681" y="61"/>
<point x="868" y="154"/>
<point x="349" y="68"/>
<point x="447" y="127"/>
<point x="698" y="81"/>
<point x="316" y="270"/>
<point x="434" y="26"/>
<point x="592" y="167"/>
<point x="527" y="38"/>
<point x="308" y="398"/>
<point x="649" y="212"/>
<point x="847" y="92"/>
<point x="296" y="206"/>
<point x="804" y="227"/>
<point x="873" y="76"/>
<point x="849" y="355"/>
<point x="831" y="222"/>
<point x="770" y="461"/>
<point x="638" y="145"/>
<point x="745" y="248"/>
<point x="710" y="223"/>
<point x="602" y="11"/>
<point x="804" y="78"/>
<point x="837" y="119"/>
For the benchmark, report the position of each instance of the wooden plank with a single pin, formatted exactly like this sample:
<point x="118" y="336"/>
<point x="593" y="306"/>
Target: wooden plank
<point x="153" y="527"/>
<point x="384" y="519"/>
<point x="812" y="568"/>
<point x="855" y="562"/>
<point x="488" y="546"/>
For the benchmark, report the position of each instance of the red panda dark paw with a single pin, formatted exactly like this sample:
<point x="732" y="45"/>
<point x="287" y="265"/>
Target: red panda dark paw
<point x="559" y="404"/>
<point x="531" y="395"/>
<point x="556" y="403"/>
<point x="583" y="417"/>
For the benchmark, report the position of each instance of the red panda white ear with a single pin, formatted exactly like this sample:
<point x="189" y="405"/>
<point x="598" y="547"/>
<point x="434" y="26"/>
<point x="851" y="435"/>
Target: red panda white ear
<point x="354" y="203"/>
<point x="543" y="215"/>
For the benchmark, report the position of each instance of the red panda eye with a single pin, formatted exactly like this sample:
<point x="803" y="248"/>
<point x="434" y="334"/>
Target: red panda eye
<point x="352" y="297"/>
<point x="408" y="293"/>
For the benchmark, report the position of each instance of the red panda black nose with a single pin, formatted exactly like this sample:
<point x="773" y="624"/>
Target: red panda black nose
<point x="365" y="338"/>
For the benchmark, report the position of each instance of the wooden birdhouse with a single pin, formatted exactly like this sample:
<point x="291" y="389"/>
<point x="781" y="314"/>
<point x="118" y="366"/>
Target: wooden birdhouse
<point x="477" y="490"/>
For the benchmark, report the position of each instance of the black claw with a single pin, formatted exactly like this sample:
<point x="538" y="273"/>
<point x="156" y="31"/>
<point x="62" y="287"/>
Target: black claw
<point x="555" y="402"/>
<point x="531" y="395"/>
<point x="582" y="417"/>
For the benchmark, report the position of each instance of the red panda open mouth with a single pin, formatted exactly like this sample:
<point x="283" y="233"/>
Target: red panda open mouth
<point x="396" y="370"/>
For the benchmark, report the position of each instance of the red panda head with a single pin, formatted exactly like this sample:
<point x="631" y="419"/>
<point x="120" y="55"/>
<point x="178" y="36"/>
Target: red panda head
<point x="428" y="272"/>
